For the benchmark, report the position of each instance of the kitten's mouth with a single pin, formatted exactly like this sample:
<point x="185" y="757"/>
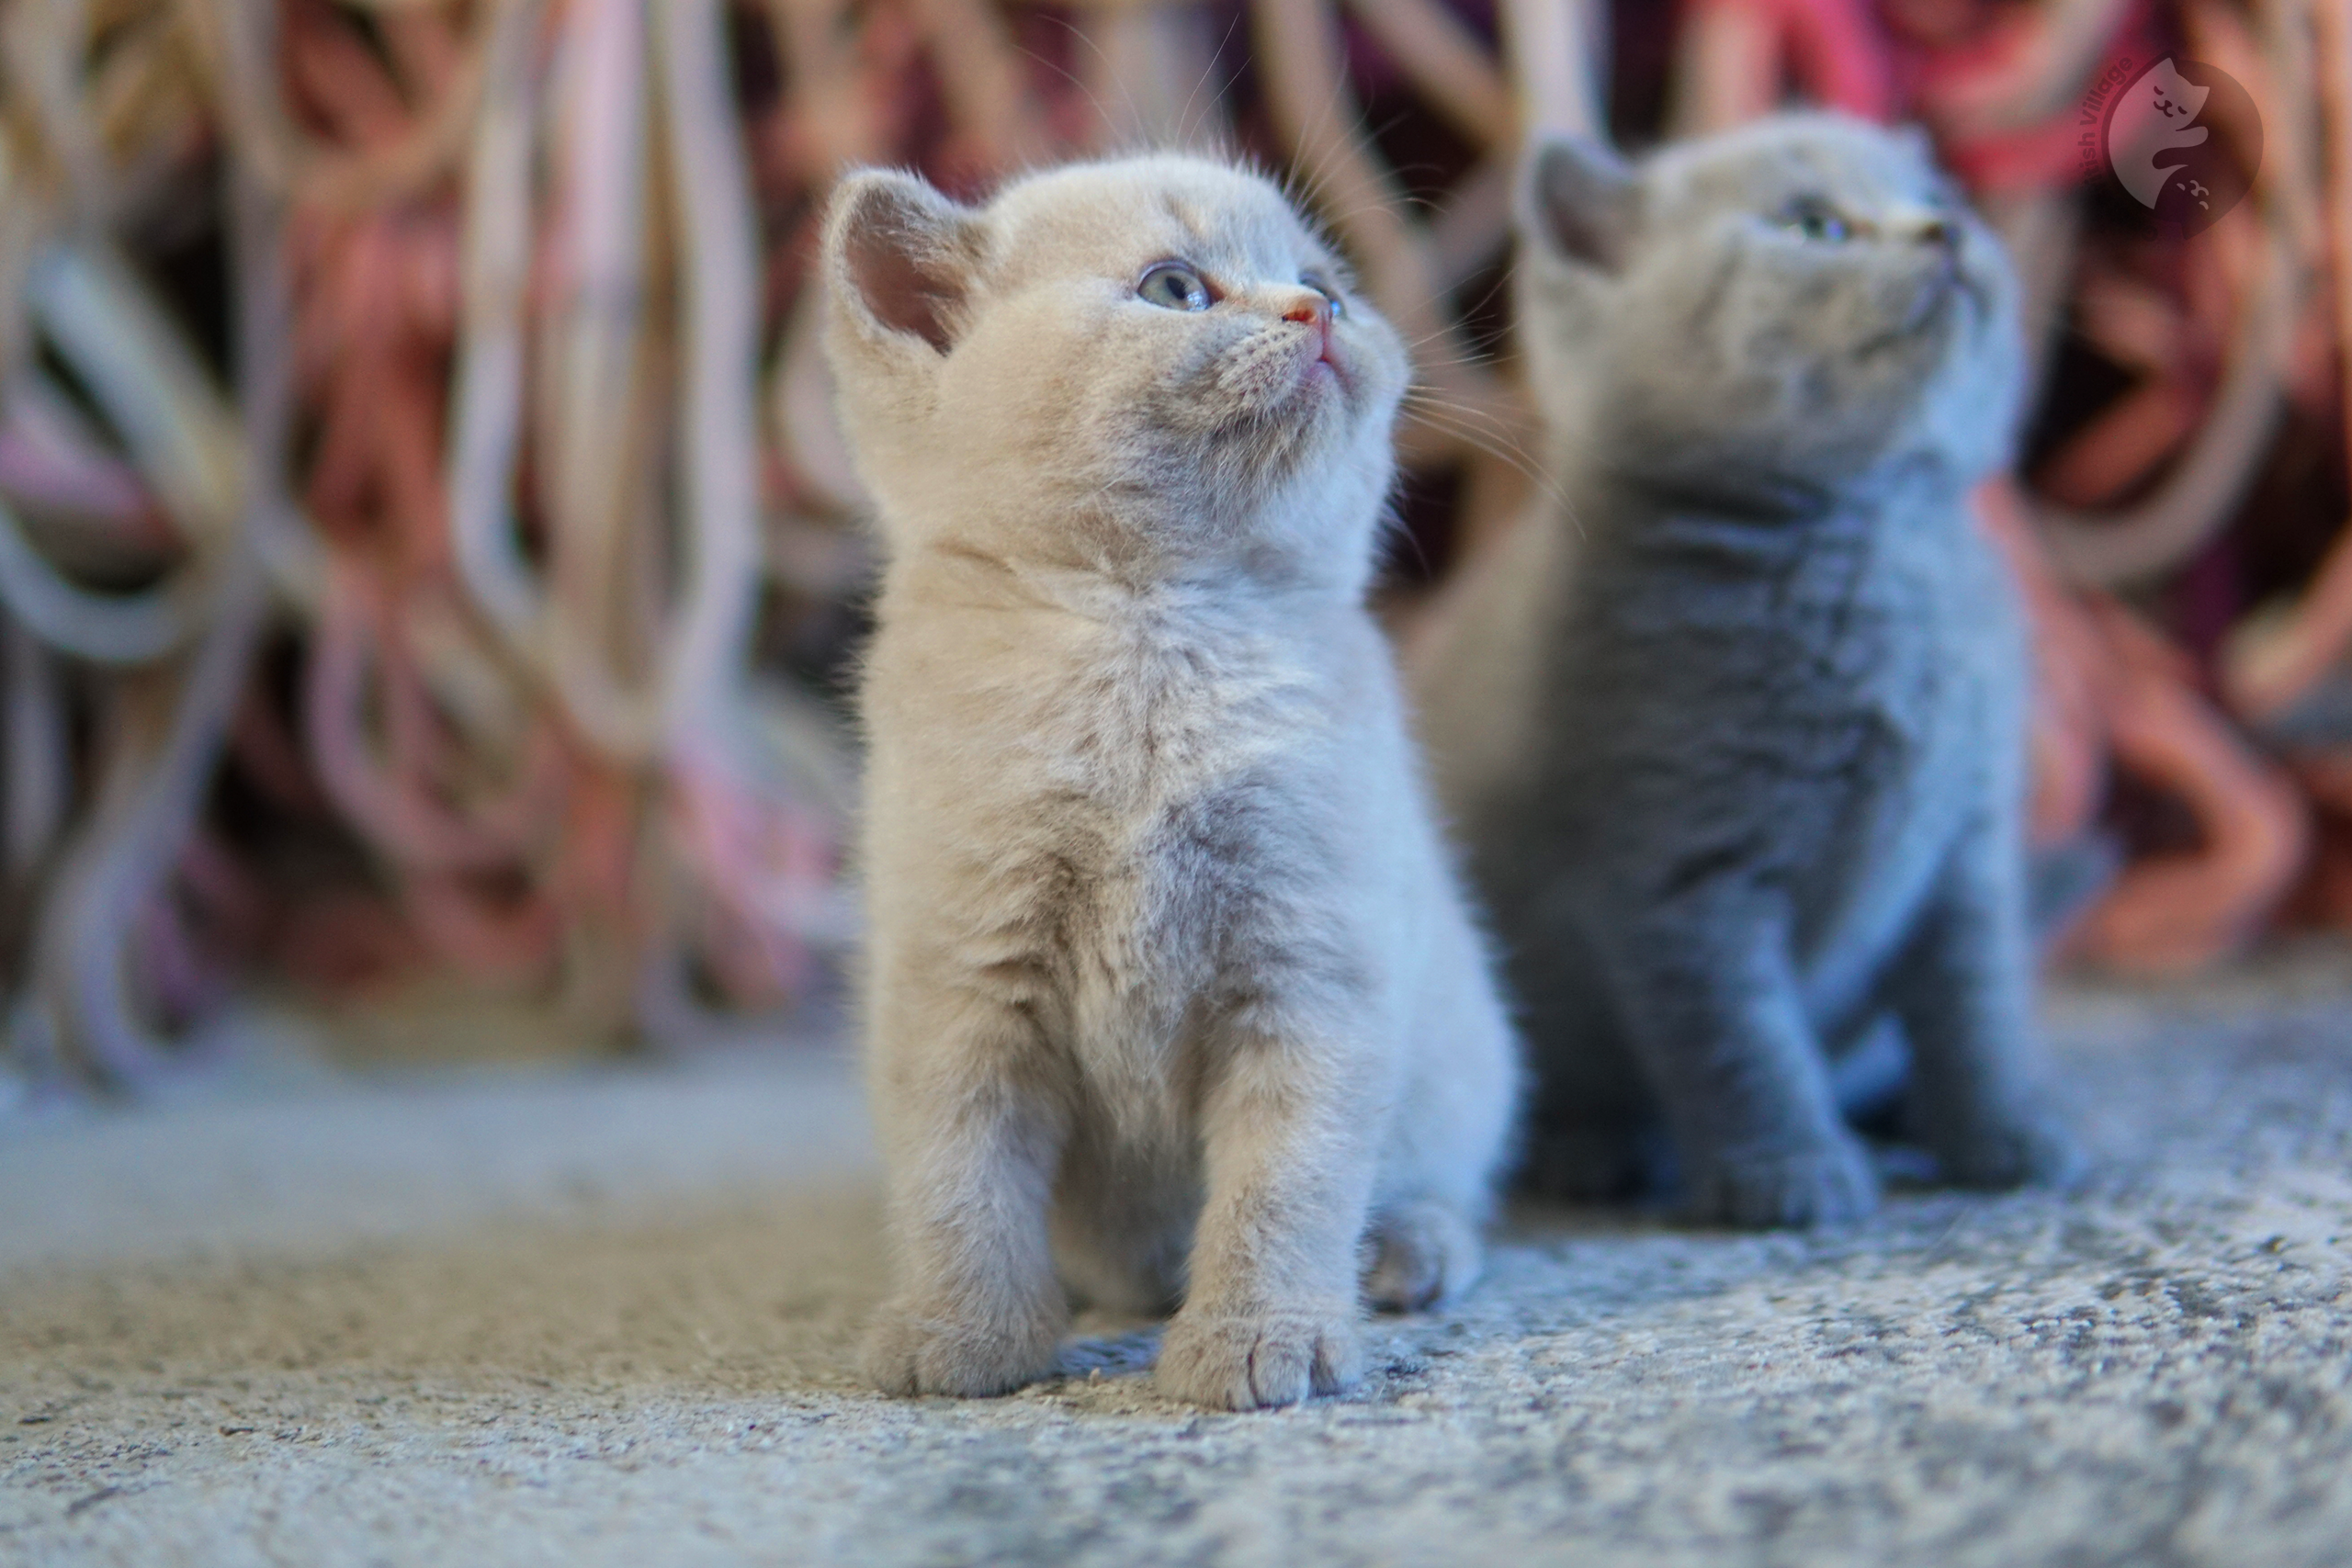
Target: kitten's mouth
<point x="1318" y="375"/>
<point x="1928" y="309"/>
<point x="1325" y="348"/>
<point x="1290" y="381"/>
<point x="1330" y="363"/>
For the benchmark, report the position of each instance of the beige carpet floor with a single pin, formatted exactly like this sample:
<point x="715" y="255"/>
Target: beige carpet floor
<point x="575" y="1316"/>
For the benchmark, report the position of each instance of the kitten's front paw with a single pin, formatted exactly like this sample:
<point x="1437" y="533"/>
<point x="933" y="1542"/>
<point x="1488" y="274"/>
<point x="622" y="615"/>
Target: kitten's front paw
<point x="1252" y="1362"/>
<point x="2028" y="1149"/>
<point x="911" y="1351"/>
<point x="1824" y="1182"/>
<point x="1421" y="1254"/>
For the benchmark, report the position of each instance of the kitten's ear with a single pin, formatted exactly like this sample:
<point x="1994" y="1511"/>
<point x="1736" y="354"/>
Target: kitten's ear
<point x="1580" y="201"/>
<point x="901" y="256"/>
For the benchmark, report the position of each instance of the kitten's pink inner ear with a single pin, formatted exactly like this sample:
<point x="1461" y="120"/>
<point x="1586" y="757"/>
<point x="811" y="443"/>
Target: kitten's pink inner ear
<point x="1586" y="201"/>
<point x="906" y="252"/>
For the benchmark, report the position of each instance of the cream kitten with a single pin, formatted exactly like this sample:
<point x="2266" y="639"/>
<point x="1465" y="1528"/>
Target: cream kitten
<point x="1171" y="983"/>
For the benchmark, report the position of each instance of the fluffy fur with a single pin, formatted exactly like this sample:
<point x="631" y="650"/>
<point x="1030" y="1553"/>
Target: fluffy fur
<point x="1170" y="983"/>
<point x="1737" y="734"/>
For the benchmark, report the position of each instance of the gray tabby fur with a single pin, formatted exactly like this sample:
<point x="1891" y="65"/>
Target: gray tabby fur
<point x="1736" y="736"/>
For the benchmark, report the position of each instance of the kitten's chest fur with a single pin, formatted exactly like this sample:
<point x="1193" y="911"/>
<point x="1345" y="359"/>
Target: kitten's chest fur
<point x="1111" y="810"/>
<point x="1830" y="698"/>
<point x="1848" y="655"/>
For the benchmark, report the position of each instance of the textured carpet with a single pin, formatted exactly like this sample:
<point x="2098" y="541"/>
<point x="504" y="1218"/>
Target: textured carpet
<point x="603" y="1318"/>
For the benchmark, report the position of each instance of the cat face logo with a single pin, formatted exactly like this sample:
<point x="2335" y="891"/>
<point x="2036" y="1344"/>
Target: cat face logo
<point x="2182" y="140"/>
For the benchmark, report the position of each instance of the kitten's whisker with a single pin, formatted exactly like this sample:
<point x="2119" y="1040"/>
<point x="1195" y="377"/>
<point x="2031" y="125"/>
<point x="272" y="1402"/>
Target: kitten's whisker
<point x="1422" y="401"/>
<point x="1454" y="336"/>
<point x="1322" y="124"/>
<point x="1460" y="318"/>
<point x="1133" y="122"/>
<point x="1092" y="98"/>
<point x="1419" y="387"/>
<point x="1542" y="482"/>
<point x="1216" y="58"/>
<point x="1458" y="422"/>
<point x="1447" y="330"/>
<point x="1372" y="133"/>
<point x="1497" y="447"/>
<point x="1502" y="282"/>
<point x="1392" y="524"/>
<point x="1502" y="450"/>
<point x="1306" y="185"/>
<point x="1469" y="357"/>
<point x="1495" y="404"/>
<point x="1375" y="205"/>
<point x="1425" y="395"/>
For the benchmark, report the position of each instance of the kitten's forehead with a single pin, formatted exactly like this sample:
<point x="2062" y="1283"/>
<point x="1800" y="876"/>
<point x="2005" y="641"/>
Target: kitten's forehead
<point x="1797" y="156"/>
<point x="1112" y="218"/>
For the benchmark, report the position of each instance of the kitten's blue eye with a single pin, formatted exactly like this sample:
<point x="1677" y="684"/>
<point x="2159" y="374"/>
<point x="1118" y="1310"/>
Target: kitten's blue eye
<point x="1323" y="286"/>
<point x="1175" y="287"/>
<point x="1815" y="221"/>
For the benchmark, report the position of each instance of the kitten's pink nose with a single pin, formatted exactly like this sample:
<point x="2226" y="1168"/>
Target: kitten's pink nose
<point x="1315" y="310"/>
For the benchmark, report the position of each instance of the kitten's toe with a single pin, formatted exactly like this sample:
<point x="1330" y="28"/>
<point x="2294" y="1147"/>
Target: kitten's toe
<point x="1825" y="1182"/>
<point x="2026" y="1150"/>
<point x="1252" y="1362"/>
<point x="910" y="1350"/>
<point x="1421" y="1253"/>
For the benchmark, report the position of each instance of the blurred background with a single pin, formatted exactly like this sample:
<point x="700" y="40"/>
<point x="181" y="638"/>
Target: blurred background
<point x="429" y="572"/>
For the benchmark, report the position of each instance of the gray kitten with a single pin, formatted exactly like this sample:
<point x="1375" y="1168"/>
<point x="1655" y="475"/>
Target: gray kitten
<point x="1736" y="737"/>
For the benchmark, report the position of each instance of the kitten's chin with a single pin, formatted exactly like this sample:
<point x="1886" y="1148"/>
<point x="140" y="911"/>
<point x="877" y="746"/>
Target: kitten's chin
<point x="1317" y="394"/>
<point x="1349" y="381"/>
<point x="1322" y="398"/>
<point x="1318" y="407"/>
<point x="1926" y="318"/>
